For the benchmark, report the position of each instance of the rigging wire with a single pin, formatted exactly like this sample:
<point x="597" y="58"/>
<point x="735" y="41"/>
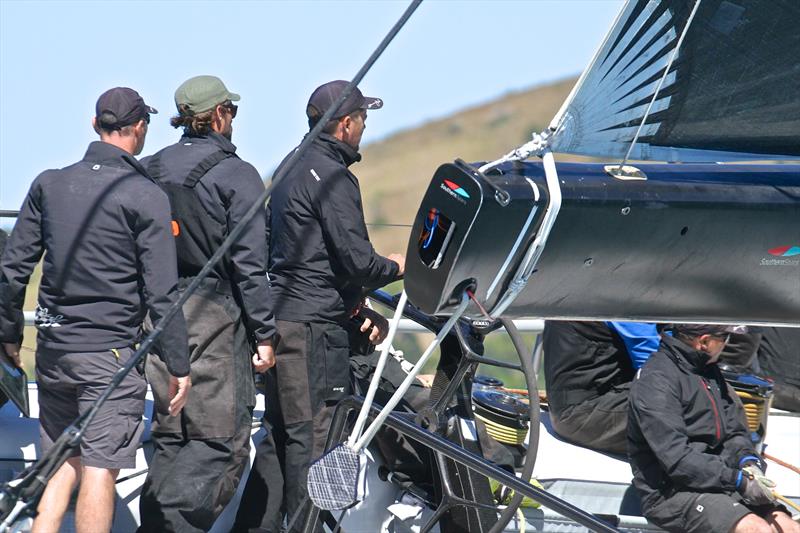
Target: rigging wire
<point x="34" y="480"/>
<point x="661" y="82"/>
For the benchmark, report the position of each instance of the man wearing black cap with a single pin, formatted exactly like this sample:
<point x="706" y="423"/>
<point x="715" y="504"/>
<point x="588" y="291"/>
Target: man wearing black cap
<point x="321" y="261"/>
<point x="200" y="455"/>
<point x="110" y="259"/>
<point x="693" y="462"/>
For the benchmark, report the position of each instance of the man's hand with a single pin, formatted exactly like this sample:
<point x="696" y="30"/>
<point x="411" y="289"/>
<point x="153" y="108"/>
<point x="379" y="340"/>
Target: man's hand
<point x="11" y="349"/>
<point x="178" y="393"/>
<point x="755" y="488"/>
<point x="264" y="358"/>
<point x="426" y="380"/>
<point x="376" y="322"/>
<point x="401" y="262"/>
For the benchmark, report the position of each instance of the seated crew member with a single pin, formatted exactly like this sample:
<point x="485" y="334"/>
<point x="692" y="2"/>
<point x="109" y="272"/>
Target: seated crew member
<point x="693" y="463"/>
<point x="588" y="367"/>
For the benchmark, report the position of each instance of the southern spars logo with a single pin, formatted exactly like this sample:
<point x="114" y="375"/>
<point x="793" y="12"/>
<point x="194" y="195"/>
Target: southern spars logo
<point x="455" y="190"/>
<point x="782" y="256"/>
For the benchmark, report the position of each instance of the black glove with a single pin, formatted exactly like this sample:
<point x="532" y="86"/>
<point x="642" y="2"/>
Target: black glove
<point x="755" y="488"/>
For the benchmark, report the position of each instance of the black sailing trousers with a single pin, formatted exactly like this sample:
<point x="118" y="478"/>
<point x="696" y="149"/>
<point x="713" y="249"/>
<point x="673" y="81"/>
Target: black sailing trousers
<point x="310" y="376"/>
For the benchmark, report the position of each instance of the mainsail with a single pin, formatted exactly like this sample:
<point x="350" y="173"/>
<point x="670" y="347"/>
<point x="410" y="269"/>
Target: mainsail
<point x="702" y="80"/>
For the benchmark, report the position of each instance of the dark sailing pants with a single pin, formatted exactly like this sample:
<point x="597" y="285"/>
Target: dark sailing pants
<point x="200" y="454"/>
<point x="311" y="375"/>
<point x="599" y="422"/>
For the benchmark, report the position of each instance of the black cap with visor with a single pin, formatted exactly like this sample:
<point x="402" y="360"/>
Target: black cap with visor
<point x="120" y="107"/>
<point x="326" y="95"/>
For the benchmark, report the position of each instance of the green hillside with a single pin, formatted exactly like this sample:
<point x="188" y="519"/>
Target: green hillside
<point x="395" y="172"/>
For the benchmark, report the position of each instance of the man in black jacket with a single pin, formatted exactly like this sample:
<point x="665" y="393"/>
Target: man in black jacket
<point x="693" y="463"/>
<point x="321" y="261"/>
<point x="110" y="259"/>
<point x="200" y="455"/>
<point x="588" y="369"/>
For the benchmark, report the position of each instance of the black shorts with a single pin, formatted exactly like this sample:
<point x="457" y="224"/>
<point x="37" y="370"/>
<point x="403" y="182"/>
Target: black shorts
<point x="70" y="382"/>
<point x="707" y="512"/>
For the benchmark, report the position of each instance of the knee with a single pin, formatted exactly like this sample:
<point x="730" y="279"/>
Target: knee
<point x="783" y="523"/>
<point x="752" y="523"/>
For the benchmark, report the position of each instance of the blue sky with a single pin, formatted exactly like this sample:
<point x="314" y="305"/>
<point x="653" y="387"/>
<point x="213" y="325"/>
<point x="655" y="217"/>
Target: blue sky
<point x="56" y="57"/>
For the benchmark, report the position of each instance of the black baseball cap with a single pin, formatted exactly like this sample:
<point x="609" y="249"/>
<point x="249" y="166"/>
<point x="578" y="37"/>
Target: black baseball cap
<point x="120" y="107"/>
<point x="326" y="95"/>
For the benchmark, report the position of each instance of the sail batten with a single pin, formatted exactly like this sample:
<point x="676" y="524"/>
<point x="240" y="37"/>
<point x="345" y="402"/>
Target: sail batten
<point x="729" y="93"/>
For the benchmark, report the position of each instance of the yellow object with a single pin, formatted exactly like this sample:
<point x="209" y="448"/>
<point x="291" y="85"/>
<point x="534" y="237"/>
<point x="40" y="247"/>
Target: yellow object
<point x="755" y="408"/>
<point x="503" y="494"/>
<point x="503" y="433"/>
<point x="786" y="500"/>
<point x="115" y="352"/>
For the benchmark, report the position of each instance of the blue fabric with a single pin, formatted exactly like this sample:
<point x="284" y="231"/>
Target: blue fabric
<point x="641" y="340"/>
<point x="750" y="459"/>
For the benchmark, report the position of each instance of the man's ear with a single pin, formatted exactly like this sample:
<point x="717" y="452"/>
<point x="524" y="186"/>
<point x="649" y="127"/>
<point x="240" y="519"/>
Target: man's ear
<point x="94" y="125"/>
<point x="702" y="342"/>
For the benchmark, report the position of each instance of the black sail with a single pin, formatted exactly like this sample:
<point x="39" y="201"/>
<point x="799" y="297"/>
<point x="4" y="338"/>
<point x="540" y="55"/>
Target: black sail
<point x="730" y="93"/>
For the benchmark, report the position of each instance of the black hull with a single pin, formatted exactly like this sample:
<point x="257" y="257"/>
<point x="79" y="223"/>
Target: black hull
<point x="707" y="243"/>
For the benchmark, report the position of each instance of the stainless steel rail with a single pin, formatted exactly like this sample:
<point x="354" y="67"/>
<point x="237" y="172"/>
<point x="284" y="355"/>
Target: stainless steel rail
<point x="406" y="325"/>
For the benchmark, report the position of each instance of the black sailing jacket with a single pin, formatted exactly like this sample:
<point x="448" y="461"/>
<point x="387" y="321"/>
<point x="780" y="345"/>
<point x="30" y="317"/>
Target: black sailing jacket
<point x="320" y="255"/>
<point x="686" y="427"/>
<point x="224" y="192"/>
<point x="110" y="257"/>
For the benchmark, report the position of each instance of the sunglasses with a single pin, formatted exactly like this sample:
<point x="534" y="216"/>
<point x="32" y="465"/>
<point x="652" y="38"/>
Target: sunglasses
<point x="233" y="108"/>
<point x="723" y="338"/>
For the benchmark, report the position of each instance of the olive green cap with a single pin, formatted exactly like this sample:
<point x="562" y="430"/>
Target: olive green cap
<point x="202" y="93"/>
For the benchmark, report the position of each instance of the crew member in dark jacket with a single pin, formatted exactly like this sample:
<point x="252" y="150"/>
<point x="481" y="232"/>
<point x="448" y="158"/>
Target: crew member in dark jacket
<point x="110" y="259"/>
<point x="321" y="261"/>
<point x="588" y="369"/>
<point x="693" y="464"/>
<point x="200" y="455"/>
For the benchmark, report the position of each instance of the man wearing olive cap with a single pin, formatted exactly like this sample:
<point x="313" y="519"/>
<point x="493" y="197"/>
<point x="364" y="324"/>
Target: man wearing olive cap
<point x="200" y="454"/>
<point x="110" y="259"/>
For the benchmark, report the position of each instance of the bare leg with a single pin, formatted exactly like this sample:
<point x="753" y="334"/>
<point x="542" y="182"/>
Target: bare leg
<point x="752" y="523"/>
<point x="56" y="497"/>
<point x="95" y="509"/>
<point x="782" y="523"/>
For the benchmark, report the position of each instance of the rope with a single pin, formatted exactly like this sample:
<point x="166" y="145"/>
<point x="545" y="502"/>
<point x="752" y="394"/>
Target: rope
<point x="480" y="307"/>
<point x="786" y="500"/>
<point x="523" y="524"/>
<point x="782" y="463"/>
